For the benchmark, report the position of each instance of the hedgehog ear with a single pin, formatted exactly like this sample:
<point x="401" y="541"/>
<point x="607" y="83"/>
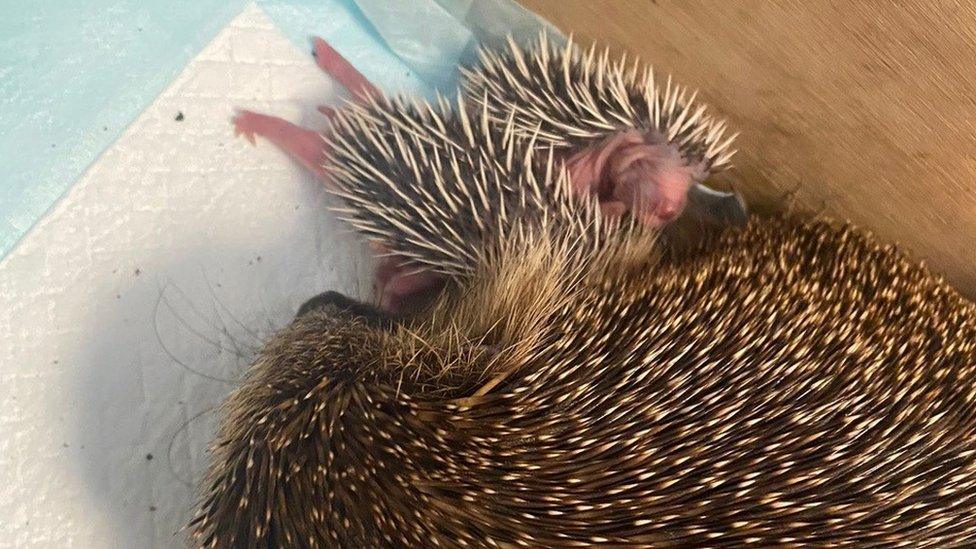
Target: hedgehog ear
<point x="724" y="209"/>
<point x="348" y="307"/>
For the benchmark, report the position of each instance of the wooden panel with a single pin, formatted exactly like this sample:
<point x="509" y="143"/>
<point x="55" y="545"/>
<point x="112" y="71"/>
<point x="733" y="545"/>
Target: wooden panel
<point x="866" y="108"/>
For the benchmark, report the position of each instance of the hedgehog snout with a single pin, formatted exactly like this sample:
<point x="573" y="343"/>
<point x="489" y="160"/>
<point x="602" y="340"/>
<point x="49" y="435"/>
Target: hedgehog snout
<point x="637" y="172"/>
<point x="342" y="305"/>
<point x="657" y="189"/>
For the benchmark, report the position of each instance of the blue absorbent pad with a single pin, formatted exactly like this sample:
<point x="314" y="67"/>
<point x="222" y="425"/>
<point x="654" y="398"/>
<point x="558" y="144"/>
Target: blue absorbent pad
<point x="74" y="75"/>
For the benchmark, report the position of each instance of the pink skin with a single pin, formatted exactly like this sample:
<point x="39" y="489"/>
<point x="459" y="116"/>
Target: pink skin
<point x="627" y="172"/>
<point x="305" y="146"/>
<point x="400" y="287"/>
<point x="338" y="67"/>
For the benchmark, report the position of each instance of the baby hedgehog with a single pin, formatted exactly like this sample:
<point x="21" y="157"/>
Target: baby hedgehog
<point x="784" y="383"/>
<point x="637" y="147"/>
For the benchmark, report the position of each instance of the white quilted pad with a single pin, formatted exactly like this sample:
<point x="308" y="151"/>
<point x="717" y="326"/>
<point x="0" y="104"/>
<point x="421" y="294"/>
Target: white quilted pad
<point x="127" y="313"/>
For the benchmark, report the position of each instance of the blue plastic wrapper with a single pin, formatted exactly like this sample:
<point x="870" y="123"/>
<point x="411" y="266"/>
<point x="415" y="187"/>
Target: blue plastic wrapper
<point x="435" y="37"/>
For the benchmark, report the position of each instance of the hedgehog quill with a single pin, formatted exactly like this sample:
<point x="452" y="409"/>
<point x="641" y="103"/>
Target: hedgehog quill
<point x="637" y="145"/>
<point x="576" y="382"/>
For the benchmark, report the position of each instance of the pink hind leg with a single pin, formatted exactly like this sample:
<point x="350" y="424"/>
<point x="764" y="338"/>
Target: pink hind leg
<point x="338" y="67"/>
<point x="305" y="146"/>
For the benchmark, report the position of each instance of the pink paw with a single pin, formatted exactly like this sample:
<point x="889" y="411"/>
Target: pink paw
<point x="338" y="67"/>
<point x="248" y="124"/>
<point x="305" y="146"/>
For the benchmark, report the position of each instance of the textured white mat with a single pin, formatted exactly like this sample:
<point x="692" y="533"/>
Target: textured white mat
<point x="132" y="306"/>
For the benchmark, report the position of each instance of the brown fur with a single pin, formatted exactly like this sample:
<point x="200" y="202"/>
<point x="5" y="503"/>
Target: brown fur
<point x="787" y="383"/>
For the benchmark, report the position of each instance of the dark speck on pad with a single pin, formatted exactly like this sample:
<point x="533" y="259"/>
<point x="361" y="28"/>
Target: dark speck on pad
<point x="152" y="508"/>
<point x="149" y="457"/>
<point x="179" y="116"/>
<point x="138" y="272"/>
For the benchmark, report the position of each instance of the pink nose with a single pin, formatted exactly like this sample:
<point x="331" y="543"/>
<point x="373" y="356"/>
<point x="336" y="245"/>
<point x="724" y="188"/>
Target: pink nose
<point x="657" y="208"/>
<point x="668" y="210"/>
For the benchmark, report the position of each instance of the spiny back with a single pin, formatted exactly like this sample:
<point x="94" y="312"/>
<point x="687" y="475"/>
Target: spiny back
<point x="443" y="187"/>
<point x="788" y="383"/>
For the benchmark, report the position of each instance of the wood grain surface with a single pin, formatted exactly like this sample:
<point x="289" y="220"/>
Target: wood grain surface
<point x="866" y="109"/>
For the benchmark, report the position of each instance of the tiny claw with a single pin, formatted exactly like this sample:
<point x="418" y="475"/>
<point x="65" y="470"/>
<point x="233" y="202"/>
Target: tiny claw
<point x="244" y="124"/>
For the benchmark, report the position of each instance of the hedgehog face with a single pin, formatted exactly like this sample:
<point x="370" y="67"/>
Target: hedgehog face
<point x="636" y="172"/>
<point x="637" y="142"/>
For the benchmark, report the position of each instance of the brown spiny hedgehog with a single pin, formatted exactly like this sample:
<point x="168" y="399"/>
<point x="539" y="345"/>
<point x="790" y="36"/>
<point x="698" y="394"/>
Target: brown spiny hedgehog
<point x="784" y="383"/>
